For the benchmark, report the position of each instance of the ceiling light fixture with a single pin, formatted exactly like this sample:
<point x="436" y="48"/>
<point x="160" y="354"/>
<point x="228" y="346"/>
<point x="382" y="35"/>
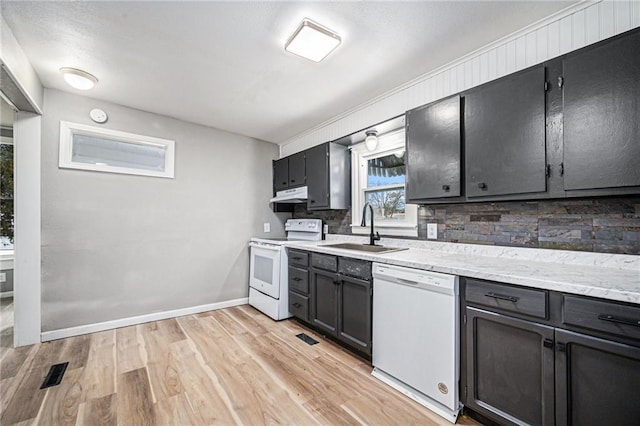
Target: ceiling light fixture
<point x="78" y="79"/>
<point x="312" y="41"/>
<point x="371" y="141"/>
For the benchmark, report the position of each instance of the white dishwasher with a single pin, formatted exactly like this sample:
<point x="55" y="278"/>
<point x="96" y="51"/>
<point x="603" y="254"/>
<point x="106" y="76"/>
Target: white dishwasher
<point x="416" y="335"/>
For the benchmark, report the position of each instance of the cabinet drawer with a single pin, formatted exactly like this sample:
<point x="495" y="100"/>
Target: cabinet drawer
<point x="299" y="306"/>
<point x="609" y="317"/>
<point x="513" y="299"/>
<point x="300" y="258"/>
<point x="299" y="280"/>
<point x="324" y="261"/>
<point x="354" y="268"/>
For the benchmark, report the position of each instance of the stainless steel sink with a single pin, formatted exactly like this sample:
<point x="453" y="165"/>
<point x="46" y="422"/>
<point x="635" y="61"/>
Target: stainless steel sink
<point x="364" y="247"/>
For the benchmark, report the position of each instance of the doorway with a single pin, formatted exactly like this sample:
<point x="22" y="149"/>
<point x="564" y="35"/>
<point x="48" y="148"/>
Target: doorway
<point x="7" y="227"/>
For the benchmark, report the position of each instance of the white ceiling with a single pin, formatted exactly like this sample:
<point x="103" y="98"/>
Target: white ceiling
<point x="223" y="64"/>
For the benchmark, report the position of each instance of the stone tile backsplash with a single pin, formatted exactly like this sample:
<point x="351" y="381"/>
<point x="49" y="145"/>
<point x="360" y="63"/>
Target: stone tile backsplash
<point x="604" y="225"/>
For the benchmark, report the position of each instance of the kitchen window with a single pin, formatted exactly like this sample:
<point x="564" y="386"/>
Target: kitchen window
<point x="105" y="150"/>
<point x="6" y="189"/>
<point x="378" y="177"/>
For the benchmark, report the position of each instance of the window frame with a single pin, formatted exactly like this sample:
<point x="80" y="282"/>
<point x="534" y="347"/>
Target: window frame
<point x="388" y="143"/>
<point x="69" y="129"/>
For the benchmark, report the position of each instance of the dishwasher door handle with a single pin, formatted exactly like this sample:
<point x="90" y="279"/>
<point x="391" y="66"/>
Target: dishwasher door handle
<point x="407" y="282"/>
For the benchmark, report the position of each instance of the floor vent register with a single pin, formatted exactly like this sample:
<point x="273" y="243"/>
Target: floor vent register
<point x="54" y="377"/>
<point x="308" y="340"/>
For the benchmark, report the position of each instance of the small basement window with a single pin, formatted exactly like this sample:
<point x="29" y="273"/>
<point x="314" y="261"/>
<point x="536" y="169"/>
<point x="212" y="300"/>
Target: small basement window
<point x="105" y="150"/>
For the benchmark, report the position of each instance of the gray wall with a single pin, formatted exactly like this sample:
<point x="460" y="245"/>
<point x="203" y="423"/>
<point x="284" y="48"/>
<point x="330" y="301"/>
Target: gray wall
<point x="115" y="246"/>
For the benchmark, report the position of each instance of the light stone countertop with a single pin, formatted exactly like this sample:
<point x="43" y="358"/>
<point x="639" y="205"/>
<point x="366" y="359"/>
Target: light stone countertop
<point x="607" y="276"/>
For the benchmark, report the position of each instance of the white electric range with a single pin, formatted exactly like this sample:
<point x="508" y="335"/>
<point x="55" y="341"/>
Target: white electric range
<point x="269" y="273"/>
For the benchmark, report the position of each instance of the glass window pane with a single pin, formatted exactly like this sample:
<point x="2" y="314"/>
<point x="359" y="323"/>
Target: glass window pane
<point x="388" y="204"/>
<point x="387" y="170"/>
<point x="6" y="197"/>
<point x="102" y="151"/>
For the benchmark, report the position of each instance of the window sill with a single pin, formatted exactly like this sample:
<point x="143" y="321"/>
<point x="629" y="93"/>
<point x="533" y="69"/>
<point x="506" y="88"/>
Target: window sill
<point x="386" y="230"/>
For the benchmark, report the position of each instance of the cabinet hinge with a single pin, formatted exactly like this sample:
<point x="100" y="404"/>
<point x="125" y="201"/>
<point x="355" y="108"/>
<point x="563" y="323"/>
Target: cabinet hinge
<point x="465" y="391"/>
<point x="546" y="86"/>
<point x="560" y="82"/>
<point x="548" y="171"/>
<point x="464" y="319"/>
<point x="561" y="169"/>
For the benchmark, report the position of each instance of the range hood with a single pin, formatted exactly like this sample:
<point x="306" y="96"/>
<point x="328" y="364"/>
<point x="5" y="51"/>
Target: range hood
<point x="293" y="195"/>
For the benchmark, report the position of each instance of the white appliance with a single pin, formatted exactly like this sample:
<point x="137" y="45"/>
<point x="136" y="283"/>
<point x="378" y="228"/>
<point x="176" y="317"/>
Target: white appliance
<point x="268" y="270"/>
<point x="293" y="195"/>
<point x="416" y="335"/>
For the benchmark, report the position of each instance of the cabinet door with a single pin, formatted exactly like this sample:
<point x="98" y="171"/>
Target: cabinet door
<point x="324" y="300"/>
<point x="601" y="114"/>
<point x="433" y="150"/>
<point x="297" y="173"/>
<point x="597" y="381"/>
<point x="281" y="174"/>
<point x="510" y="368"/>
<point x="354" y="327"/>
<point x="318" y="176"/>
<point x="505" y="136"/>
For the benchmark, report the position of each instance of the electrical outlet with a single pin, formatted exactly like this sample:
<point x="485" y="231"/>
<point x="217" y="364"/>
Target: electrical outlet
<point x="266" y="227"/>
<point x="3" y="277"/>
<point x="432" y="231"/>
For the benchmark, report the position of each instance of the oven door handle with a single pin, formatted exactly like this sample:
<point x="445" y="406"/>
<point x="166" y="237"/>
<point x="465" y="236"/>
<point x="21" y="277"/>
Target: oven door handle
<point x="265" y="247"/>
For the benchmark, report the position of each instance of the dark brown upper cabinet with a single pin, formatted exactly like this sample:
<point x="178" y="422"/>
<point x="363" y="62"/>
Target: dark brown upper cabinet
<point x="297" y="172"/>
<point x="289" y="172"/>
<point x="328" y="177"/>
<point x="504" y="125"/>
<point x="433" y="136"/>
<point x="280" y="174"/>
<point x="602" y="115"/>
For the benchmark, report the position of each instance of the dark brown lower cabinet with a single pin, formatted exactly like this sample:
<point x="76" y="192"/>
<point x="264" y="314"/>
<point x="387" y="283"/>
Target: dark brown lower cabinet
<point x="548" y="370"/>
<point x="341" y="304"/>
<point x="597" y="381"/>
<point x="354" y="325"/>
<point x="510" y="368"/>
<point x="324" y="300"/>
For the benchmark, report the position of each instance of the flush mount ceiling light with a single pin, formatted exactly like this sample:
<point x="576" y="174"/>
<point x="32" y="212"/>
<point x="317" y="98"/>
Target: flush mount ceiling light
<point x="312" y="41"/>
<point x="371" y="141"/>
<point x="78" y="79"/>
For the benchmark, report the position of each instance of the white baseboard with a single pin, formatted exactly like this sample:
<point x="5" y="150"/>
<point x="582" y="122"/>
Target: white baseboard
<point x="124" y="322"/>
<point x="6" y="294"/>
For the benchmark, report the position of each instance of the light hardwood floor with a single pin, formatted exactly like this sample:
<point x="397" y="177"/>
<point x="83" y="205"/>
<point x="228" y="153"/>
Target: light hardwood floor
<point x="230" y="366"/>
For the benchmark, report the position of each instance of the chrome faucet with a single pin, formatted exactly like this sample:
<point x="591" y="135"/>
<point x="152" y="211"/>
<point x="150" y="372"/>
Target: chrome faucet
<point x="372" y="238"/>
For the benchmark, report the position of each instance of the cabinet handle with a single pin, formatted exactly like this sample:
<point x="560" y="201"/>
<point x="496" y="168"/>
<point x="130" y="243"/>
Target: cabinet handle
<point x="312" y="201"/>
<point x="548" y="343"/>
<point x="562" y="347"/>
<point x="296" y="258"/>
<point x="293" y="180"/>
<point x="446" y="188"/>
<point x="502" y="297"/>
<point x="297" y="305"/>
<point x="482" y="185"/>
<point x="284" y="183"/>
<point x="619" y="320"/>
<point x="296" y="279"/>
